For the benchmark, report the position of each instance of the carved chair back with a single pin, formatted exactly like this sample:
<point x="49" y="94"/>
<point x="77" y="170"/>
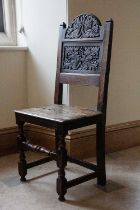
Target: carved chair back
<point x="84" y="52"/>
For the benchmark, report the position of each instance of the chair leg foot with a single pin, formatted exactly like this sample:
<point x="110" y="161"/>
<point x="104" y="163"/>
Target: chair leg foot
<point x="101" y="180"/>
<point x="61" y="187"/>
<point x="61" y="198"/>
<point x="23" y="179"/>
<point x="22" y="170"/>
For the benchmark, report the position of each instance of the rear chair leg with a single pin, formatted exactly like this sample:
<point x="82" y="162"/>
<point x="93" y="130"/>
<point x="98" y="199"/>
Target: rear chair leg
<point x="61" y="163"/>
<point x="22" y="164"/>
<point x="100" y="151"/>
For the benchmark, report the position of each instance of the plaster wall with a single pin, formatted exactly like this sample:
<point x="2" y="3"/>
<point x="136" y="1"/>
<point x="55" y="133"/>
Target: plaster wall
<point x="124" y="86"/>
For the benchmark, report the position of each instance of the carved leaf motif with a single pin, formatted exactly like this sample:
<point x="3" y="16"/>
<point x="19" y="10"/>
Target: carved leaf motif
<point x="83" y="26"/>
<point x="81" y="58"/>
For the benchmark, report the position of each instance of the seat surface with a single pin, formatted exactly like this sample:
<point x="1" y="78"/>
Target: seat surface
<point x="59" y="113"/>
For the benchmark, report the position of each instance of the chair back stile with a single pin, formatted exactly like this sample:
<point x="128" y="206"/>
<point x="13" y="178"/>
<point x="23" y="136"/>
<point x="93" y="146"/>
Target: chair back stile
<point x="59" y="86"/>
<point x="105" y="68"/>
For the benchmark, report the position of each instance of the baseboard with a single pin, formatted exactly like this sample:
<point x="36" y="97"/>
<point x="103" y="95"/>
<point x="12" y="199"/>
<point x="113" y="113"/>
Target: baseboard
<point x="80" y="143"/>
<point x="42" y="136"/>
<point x="118" y="137"/>
<point x="8" y="141"/>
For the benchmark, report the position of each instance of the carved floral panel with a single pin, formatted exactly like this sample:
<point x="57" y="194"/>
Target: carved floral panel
<point x="81" y="59"/>
<point x="83" y="26"/>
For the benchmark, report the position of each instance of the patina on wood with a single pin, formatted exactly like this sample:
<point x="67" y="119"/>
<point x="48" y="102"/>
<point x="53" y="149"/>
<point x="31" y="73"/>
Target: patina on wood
<point x="61" y="113"/>
<point x="84" y="53"/>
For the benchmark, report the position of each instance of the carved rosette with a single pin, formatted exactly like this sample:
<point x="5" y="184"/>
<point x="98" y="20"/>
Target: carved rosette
<point x="81" y="59"/>
<point x="83" y="26"/>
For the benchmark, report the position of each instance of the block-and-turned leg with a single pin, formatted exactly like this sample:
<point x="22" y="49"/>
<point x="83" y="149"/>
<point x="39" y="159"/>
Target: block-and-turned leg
<point x="22" y="165"/>
<point x="61" y="163"/>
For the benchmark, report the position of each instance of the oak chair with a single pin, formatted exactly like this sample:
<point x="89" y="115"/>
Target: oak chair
<point x="84" y="53"/>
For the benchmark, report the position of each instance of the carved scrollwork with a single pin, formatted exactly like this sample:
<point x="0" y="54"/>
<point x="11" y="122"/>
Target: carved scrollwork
<point x="81" y="59"/>
<point x="83" y="26"/>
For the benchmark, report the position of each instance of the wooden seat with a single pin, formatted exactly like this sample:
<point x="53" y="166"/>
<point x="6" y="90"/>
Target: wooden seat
<point x="84" y="53"/>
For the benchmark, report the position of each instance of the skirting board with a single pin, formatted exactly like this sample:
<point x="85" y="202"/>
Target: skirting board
<point x="8" y="140"/>
<point x="81" y="143"/>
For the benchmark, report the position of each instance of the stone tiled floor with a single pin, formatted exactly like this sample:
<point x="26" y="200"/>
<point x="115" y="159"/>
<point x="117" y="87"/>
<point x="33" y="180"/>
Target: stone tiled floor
<point x="122" y="191"/>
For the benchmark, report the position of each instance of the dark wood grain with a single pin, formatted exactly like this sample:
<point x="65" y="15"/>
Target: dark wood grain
<point x="59" y="113"/>
<point x="79" y="79"/>
<point x="83" y="26"/>
<point x="58" y="86"/>
<point x="22" y="164"/>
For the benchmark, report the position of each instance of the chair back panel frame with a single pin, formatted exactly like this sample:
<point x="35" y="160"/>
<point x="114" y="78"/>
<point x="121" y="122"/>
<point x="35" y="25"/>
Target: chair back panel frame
<point x="78" y="77"/>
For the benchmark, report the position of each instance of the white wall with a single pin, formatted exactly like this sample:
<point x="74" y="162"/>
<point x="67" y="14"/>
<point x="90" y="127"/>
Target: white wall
<point x="124" y="87"/>
<point x="41" y="20"/>
<point x="13" y="83"/>
<point x="13" y="93"/>
<point x="28" y="78"/>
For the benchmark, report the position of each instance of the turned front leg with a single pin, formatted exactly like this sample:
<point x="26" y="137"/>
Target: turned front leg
<point x="61" y="163"/>
<point x="22" y="164"/>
